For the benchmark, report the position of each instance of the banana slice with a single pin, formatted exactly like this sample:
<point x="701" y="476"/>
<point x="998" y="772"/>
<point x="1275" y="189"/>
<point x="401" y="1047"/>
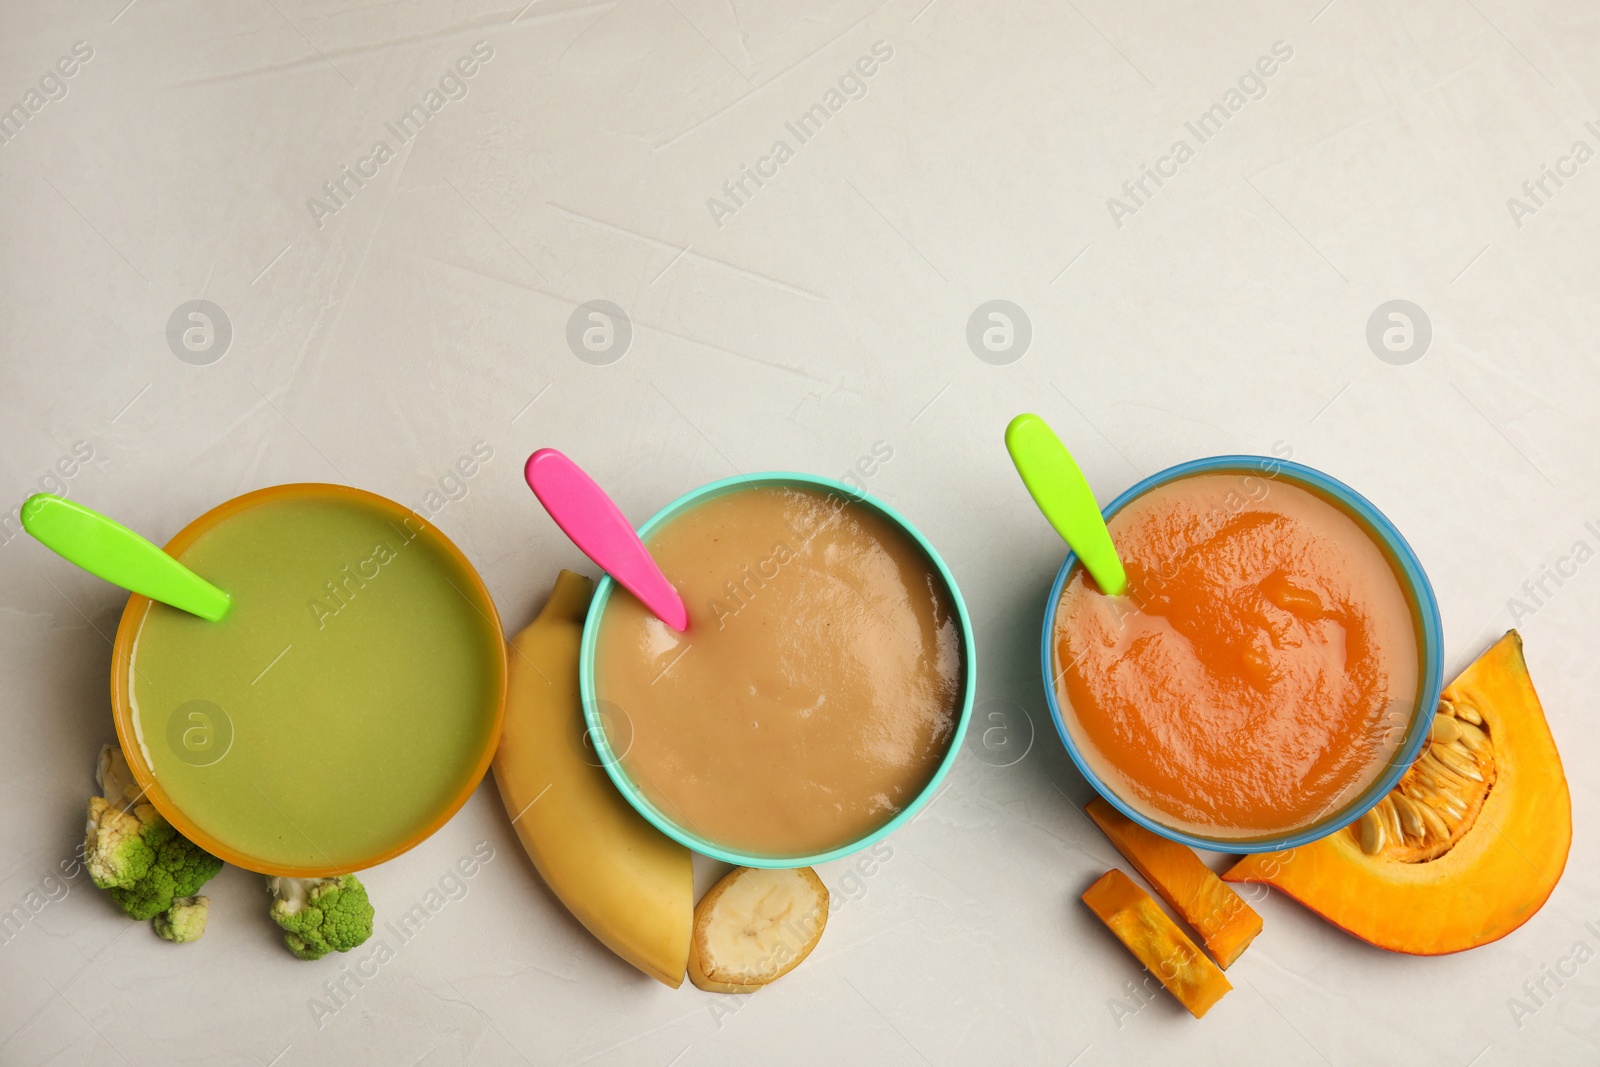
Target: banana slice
<point x="754" y="927"/>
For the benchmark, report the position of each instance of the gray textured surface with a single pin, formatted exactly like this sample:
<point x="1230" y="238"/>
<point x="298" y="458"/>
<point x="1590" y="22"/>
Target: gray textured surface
<point x="822" y="312"/>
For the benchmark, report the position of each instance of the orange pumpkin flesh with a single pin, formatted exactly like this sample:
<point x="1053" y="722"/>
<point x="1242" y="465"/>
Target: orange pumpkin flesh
<point x="1222" y="919"/>
<point x="1155" y="940"/>
<point x="1497" y="826"/>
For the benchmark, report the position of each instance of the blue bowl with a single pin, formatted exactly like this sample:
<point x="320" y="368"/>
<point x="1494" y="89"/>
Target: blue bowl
<point x="594" y="719"/>
<point x="1425" y="613"/>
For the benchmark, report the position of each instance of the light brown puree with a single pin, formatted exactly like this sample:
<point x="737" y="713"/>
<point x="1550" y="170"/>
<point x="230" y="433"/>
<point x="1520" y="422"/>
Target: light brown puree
<point x="817" y="687"/>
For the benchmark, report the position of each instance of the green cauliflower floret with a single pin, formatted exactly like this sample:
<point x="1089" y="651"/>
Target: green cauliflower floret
<point x="130" y="849"/>
<point x="321" y="915"/>
<point x="185" y="921"/>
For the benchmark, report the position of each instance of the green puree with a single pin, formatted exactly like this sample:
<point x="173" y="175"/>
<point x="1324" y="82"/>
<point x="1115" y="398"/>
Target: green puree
<point x="343" y="702"/>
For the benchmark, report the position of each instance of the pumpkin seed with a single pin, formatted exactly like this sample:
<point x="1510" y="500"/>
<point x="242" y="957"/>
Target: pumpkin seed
<point x="1410" y="821"/>
<point x="1444" y="774"/>
<point x="1445" y="729"/>
<point x="1392" y="828"/>
<point x="1474" y="738"/>
<point x="1369" y="829"/>
<point x="1433" y="822"/>
<point x="1438" y="783"/>
<point x="1465" y="710"/>
<point x="1458" y="760"/>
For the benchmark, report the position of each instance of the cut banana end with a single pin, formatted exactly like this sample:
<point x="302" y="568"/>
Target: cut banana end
<point x="754" y="927"/>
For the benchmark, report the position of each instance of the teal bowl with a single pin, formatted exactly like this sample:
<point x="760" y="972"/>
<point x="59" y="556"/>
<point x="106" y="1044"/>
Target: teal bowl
<point x="1413" y="731"/>
<point x="595" y="722"/>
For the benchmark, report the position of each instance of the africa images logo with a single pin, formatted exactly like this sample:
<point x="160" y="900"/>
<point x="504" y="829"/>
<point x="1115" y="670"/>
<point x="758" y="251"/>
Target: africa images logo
<point x="1251" y="86"/>
<point x="342" y="188"/>
<point x="852" y="85"/>
<point x="52" y="86"/>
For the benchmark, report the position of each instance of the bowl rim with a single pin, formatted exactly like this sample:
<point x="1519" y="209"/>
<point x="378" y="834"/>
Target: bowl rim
<point x="138" y="606"/>
<point x="602" y="746"/>
<point x="1419" y="593"/>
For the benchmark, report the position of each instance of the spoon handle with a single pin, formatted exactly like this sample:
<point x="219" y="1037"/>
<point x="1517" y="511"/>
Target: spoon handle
<point x="111" y="551"/>
<point x="1058" y="486"/>
<point x="597" y="526"/>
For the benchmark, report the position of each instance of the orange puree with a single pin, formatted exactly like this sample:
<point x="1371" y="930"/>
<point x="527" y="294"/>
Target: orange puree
<point x="1260" y="669"/>
<point x="817" y="687"/>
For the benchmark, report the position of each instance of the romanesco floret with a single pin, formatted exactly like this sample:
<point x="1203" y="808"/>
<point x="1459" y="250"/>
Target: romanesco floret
<point x="130" y="849"/>
<point x="321" y="915"/>
<point x="185" y="921"/>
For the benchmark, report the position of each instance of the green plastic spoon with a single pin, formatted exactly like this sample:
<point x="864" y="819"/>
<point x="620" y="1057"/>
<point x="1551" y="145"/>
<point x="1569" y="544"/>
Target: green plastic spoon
<point x="111" y="551"/>
<point x="1063" y="494"/>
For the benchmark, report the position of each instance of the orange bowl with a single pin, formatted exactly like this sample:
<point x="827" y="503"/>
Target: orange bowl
<point x="138" y="607"/>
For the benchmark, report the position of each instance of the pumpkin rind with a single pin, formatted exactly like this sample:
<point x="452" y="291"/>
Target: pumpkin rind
<point x="1493" y="879"/>
<point x="1225" y="923"/>
<point x="1155" y="941"/>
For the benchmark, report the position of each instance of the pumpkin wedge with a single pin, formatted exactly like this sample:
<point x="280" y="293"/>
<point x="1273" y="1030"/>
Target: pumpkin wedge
<point x="1467" y="847"/>
<point x="1220" y="916"/>
<point x="1155" y="940"/>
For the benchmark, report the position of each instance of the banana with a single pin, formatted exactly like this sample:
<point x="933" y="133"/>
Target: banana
<point x="632" y="886"/>
<point x="754" y="927"/>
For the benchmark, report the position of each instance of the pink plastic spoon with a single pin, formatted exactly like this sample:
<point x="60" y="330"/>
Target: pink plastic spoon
<point x="597" y="526"/>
